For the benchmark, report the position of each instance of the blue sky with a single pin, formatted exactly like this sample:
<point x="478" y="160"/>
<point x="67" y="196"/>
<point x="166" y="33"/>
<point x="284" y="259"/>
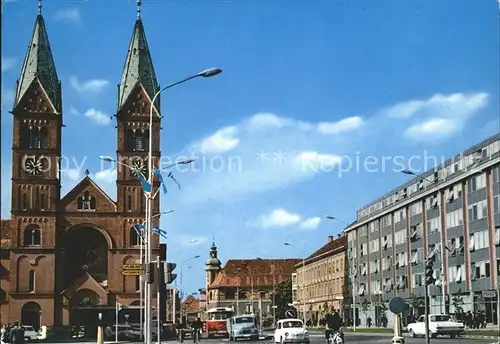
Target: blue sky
<point x="312" y="85"/>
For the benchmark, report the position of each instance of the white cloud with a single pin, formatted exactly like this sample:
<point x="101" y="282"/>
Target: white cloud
<point x="88" y="86"/>
<point x="438" y="117"/>
<point x="72" y="173"/>
<point x="74" y="111"/>
<point x="279" y="218"/>
<point x="223" y="140"/>
<point x="98" y="116"/>
<point x="310" y="223"/>
<point x="8" y="63"/>
<point x="344" y="125"/>
<point x="315" y="162"/>
<point x="69" y="15"/>
<point x="439" y="105"/>
<point x="106" y="176"/>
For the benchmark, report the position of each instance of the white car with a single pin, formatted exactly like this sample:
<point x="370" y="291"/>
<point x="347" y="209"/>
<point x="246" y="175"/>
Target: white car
<point x="439" y="325"/>
<point x="291" y="331"/>
<point x="29" y="333"/>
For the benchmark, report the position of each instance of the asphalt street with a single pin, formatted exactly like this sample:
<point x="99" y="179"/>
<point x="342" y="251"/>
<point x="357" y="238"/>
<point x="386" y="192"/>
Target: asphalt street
<point x="350" y="338"/>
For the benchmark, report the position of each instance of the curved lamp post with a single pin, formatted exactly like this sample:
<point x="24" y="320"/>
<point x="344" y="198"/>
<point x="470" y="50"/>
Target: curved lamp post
<point x="304" y="304"/>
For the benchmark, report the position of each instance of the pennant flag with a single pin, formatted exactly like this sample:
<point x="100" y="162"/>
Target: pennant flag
<point x="160" y="177"/>
<point x="139" y="229"/>
<point x="160" y="232"/>
<point x="171" y="176"/>
<point x="145" y="185"/>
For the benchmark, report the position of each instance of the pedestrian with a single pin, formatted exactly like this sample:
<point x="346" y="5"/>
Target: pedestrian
<point x="16" y="334"/>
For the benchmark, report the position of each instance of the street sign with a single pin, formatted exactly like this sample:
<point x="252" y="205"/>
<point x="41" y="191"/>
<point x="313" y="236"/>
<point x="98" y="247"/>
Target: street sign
<point x="291" y="313"/>
<point x="397" y="305"/>
<point x="132" y="272"/>
<point x="489" y="293"/>
<point x="132" y="267"/>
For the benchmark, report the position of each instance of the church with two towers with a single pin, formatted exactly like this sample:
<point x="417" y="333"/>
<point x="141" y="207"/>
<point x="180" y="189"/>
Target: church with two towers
<point x="62" y="255"/>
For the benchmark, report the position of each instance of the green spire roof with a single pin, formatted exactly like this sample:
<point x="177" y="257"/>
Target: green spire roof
<point x="138" y="66"/>
<point x="39" y="63"/>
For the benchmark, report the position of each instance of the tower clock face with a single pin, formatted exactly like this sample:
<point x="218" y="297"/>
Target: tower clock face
<point x="139" y="165"/>
<point x="33" y="166"/>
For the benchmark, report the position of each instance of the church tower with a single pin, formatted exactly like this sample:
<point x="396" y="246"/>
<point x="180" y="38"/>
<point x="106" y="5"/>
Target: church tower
<point x="136" y="90"/>
<point x="212" y="268"/>
<point x="36" y="153"/>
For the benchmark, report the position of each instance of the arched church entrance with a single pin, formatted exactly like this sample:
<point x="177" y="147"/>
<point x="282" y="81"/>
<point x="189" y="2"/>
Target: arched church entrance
<point x="84" y="313"/>
<point x="86" y="251"/>
<point x="30" y="314"/>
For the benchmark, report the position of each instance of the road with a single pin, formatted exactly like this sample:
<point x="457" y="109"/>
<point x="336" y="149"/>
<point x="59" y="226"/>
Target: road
<point x="350" y="338"/>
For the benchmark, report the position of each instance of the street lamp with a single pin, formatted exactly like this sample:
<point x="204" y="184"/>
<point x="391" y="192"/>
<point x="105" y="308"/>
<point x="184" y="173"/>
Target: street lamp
<point x="182" y="268"/>
<point x="411" y="173"/>
<point x="149" y="203"/>
<point x="337" y="219"/>
<point x="150" y="196"/>
<point x="303" y="288"/>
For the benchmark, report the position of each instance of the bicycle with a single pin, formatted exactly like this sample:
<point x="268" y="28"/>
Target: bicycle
<point x="196" y="336"/>
<point x="335" y="337"/>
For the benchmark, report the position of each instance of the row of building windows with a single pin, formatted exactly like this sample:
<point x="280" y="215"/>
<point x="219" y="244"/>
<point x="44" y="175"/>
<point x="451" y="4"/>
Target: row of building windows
<point x="456" y="274"/>
<point x="435" y="177"/>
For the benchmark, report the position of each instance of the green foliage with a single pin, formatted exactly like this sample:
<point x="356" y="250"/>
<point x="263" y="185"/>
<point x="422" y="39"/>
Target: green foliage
<point x="457" y="302"/>
<point x="416" y="301"/>
<point x="365" y="305"/>
<point x="283" y="297"/>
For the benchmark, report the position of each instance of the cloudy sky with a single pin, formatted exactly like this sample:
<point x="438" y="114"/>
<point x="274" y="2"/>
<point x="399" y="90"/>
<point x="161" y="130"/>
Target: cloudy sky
<point x="318" y="107"/>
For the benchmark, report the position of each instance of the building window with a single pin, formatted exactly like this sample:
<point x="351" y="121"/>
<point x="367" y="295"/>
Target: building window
<point x="24" y="205"/>
<point x="478" y="210"/>
<point x="129" y="202"/>
<point x="433" y="225"/>
<point x="496" y="174"/>
<point x="34" y="137"/>
<point x="137" y="283"/>
<point x="31" y="281"/>
<point x="32" y="236"/>
<point x="86" y="202"/>
<point x="480" y="270"/>
<point x="137" y="140"/>
<point x="135" y="239"/>
<point x="479" y="240"/>
<point x="496" y="204"/>
<point x="455" y="218"/>
<point x="262" y="294"/>
<point x="477" y="182"/>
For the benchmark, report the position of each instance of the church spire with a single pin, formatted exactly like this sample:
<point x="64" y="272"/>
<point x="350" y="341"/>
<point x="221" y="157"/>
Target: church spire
<point x="39" y="64"/>
<point x="138" y="65"/>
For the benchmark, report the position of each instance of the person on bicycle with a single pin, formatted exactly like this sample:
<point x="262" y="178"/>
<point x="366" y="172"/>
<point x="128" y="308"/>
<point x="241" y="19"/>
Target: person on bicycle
<point x="197" y="327"/>
<point x="180" y="327"/>
<point x="333" y="324"/>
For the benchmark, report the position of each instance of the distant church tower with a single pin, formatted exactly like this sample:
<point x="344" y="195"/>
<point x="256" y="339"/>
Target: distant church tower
<point x="212" y="268"/>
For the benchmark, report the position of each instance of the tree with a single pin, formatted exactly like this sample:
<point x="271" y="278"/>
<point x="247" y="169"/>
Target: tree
<point x="457" y="302"/>
<point x="283" y="297"/>
<point x="365" y="305"/>
<point x="416" y="301"/>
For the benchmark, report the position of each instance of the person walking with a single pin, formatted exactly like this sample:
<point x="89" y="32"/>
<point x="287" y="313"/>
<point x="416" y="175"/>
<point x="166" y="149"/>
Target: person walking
<point x="16" y="334"/>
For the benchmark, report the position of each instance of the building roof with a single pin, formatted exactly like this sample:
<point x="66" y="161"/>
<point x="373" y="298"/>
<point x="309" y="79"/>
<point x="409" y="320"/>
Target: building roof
<point x="262" y="272"/>
<point x="39" y="64"/>
<point x="191" y="304"/>
<point x="333" y="246"/>
<point x="138" y="67"/>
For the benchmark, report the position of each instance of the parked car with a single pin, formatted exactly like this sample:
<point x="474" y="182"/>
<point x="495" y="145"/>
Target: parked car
<point x="243" y="327"/>
<point x="439" y="325"/>
<point x="291" y="331"/>
<point x="29" y="333"/>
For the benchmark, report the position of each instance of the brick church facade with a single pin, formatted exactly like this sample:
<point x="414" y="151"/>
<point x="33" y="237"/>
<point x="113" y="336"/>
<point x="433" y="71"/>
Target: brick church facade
<point x="61" y="255"/>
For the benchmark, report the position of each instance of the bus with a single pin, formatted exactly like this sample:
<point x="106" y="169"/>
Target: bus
<point x="216" y="323"/>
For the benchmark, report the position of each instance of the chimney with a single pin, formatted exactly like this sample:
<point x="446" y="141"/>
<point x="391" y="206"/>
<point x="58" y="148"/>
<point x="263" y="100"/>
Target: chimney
<point x="330" y="238"/>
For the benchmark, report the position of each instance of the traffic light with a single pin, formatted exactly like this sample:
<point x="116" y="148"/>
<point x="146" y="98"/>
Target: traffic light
<point x="429" y="271"/>
<point x="150" y="273"/>
<point x="169" y="275"/>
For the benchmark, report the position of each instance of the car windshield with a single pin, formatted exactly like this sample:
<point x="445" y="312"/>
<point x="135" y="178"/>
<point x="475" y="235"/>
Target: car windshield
<point x="440" y="318"/>
<point x="288" y="324"/>
<point x="245" y="320"/>
<point x="28" y="328"/>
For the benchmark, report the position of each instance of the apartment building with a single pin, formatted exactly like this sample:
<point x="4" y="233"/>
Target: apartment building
<point x="319" y="283"/>
<point x="451" y="212"/>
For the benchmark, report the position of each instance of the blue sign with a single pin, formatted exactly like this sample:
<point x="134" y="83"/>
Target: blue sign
<point x="291" y="313"/>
